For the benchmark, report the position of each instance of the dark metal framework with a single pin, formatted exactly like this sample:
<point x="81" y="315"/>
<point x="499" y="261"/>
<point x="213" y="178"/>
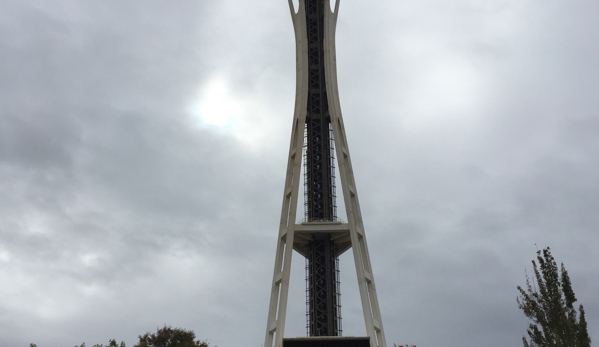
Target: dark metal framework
<point x="323" y="299"/>
<point x="309" y="194"/>
<point x="320" y="199"/>
<point x="321" y="318"/>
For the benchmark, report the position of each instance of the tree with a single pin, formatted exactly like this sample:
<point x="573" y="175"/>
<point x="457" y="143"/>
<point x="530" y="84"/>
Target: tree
<point x="169" y="337"/>
<point x="111" y="343"/>
<point x="549" y="303"/>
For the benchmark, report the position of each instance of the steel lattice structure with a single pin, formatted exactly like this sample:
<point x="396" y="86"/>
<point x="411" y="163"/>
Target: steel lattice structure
<point x="322" y="296"/>
<point x="323" y="319"/>
<point x="318" y="133"/>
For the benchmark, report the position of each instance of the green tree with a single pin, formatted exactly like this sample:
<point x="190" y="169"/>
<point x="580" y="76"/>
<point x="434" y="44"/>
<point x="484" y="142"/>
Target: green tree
<point x="170" y="337"/>
<point x="549" y="303"/>
<point x="111" y="343"/>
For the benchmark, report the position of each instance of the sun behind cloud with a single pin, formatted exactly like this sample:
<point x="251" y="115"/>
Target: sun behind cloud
<point x="215" y="105"/>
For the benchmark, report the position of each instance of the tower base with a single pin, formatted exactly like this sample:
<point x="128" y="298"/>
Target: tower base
<point x="327" y="341"/>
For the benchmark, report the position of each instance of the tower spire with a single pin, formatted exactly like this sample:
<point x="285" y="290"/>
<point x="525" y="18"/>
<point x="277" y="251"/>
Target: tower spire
<point x="321" y="238"/>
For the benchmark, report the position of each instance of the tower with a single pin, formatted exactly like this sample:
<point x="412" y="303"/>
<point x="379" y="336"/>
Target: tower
<point x="317" y="137"/>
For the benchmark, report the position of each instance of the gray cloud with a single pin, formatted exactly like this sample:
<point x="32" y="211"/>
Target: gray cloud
<point x="472" y="126"/>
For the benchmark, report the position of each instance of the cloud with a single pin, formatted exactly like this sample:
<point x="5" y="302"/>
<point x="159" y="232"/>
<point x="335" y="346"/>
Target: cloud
<point x="472" y="128"/>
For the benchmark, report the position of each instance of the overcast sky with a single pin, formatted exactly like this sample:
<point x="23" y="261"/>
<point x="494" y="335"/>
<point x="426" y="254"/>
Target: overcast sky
<point x="143" y="151"/>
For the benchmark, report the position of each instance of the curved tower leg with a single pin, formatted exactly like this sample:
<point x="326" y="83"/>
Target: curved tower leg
<point x="280" y="283"/>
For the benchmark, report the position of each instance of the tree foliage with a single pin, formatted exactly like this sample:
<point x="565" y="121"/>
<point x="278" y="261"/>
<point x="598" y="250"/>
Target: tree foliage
<point x="111" y="343"/>
<point x="164" y="337"/>
<point x="549" y="303"/>
<point x="170" y="337"/>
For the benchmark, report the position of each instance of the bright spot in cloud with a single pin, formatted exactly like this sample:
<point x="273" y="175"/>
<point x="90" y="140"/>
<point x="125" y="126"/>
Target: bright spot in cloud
<point x="90" y="260"/>
<point x="215" y="105"/>
<point x="246" y="115"/>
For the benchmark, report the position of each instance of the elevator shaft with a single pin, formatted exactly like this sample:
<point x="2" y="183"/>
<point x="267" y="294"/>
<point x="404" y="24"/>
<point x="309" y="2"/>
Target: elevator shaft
<point x="320" y="205"/>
